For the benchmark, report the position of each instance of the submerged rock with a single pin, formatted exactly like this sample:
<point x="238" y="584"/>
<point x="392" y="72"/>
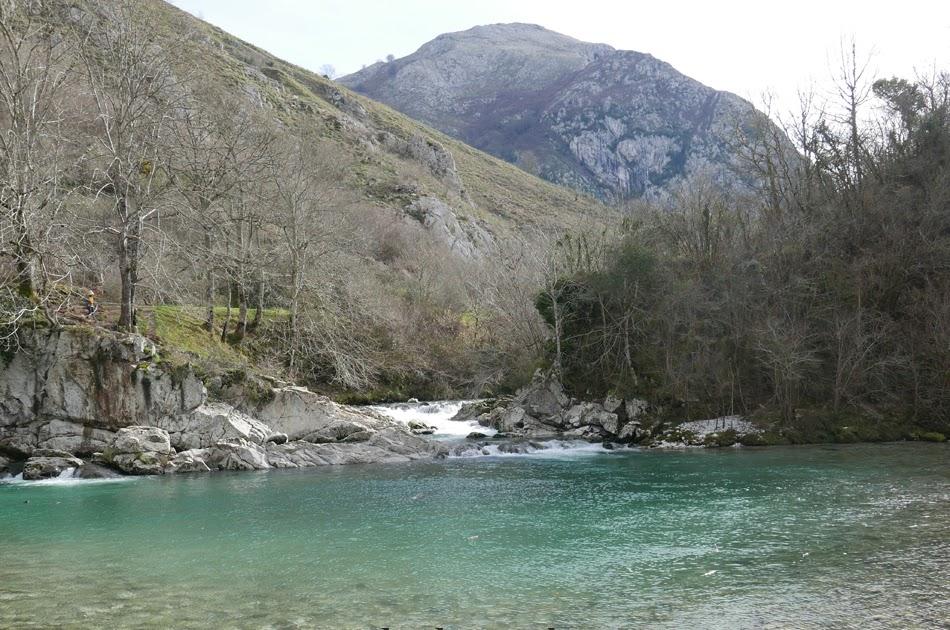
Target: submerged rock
<point x="420" y="428"/>
<point x="44" y="467"/>
<point x="95" y="471"/>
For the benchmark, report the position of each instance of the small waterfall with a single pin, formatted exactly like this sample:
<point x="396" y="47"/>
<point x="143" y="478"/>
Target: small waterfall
<point x="439" y="414"/>
<point x="436" y="414"/>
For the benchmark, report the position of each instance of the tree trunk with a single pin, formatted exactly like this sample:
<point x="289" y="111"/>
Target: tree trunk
<point x="209" y="287"/>
<point x="241" y="328"/>
<point x="227" y="315"/>
<point x="128" y="254"/>
<point x="557" y="336"/>
<point x="25" y="274"/>
<point x="23" y="253"/>
<point x="259" y="311"/>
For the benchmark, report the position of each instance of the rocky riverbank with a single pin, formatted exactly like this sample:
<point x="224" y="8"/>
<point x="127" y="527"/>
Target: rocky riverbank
<point x="543" y="411"/>
<point x="81" y="400"/>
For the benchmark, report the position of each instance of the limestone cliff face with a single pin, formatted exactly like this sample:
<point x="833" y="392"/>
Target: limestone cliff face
<point x="78" y="391"/>
<point x="72" y="389"/>
<point x="614" y="123"/>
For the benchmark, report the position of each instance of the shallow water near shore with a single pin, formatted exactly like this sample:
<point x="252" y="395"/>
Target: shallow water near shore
<point x="850" y="536"/>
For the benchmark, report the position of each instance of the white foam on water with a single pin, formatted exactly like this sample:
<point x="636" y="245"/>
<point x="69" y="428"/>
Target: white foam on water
<point x="67" y="477"/>
<point x="549" y="449"/>
<point x="437" y="414"/>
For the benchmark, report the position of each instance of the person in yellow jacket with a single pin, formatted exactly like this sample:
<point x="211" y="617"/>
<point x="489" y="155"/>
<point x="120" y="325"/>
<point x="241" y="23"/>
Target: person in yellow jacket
<point x="90" y="304"/>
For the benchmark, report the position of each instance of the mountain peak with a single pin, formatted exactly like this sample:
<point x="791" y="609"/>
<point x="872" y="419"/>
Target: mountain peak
<point x="610" y="122"/>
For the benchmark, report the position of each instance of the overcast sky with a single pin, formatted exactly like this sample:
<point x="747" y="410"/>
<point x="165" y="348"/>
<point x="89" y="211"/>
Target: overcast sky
<point x="743" y="47"/>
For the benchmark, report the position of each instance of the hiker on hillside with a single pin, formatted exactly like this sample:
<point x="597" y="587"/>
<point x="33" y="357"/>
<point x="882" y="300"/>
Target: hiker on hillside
<point x="90" y="304"/>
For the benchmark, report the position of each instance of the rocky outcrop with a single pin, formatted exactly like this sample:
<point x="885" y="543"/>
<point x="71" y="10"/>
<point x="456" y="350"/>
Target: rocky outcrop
<point x="190" y="461"/>
<point x="543" y="410"/>
<point x="139" y="451"/>
<point x="46" y="466"/>
<point x="469" y="240"/>
<point x="388" y="445"/>
<point x="81" y="392"/>
<point x="237" y="454"/>
<point x="72" y="389"/>
<point x="212" y="423"/>
<point x="714" y="432"/>
<point x="303" y="415"/>
<point x="614" y="123"/>
<point x="420" y="428"/>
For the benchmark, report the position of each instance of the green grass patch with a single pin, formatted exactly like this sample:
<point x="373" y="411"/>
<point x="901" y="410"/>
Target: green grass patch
<point x="269" y="314"/>
<point x="181" y="329"/>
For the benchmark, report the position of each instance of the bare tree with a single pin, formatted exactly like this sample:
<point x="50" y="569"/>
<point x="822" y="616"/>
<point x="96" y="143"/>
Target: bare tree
<point x="306" y="185"/>
<point x="214" y="154"/>
<point x="550" y="270"/>
<point x="785" y="348"/>
<point x="136" y="92"/>
<point x="34" y="67"/>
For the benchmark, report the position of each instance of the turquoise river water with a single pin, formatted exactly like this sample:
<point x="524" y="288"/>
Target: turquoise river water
<point x="808" y="537"/>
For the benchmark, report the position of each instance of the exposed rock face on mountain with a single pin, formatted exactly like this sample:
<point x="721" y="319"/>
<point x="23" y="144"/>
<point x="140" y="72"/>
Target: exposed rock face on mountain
<point x="610" y="122"/>
<point x="434" y="184"/>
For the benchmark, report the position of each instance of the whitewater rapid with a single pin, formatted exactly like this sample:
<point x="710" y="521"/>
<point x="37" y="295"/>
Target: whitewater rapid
<point x="439" y="414"/>
<point x="68" y="477"/>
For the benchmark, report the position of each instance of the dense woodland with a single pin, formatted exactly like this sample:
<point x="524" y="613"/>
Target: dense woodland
<point x="826" y="296"/>
<point x="826" y="288"/>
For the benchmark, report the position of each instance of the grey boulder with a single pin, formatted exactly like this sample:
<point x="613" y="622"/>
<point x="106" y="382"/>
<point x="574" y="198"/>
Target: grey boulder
<point x="139" y="450"/>
<point x="212" y="423"/>
<point x="44" y="467"/>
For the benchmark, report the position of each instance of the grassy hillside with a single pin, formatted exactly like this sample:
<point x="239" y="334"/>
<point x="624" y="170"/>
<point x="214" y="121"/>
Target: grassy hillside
<point x="492" y="191"/>
<point x="190" y="170"/>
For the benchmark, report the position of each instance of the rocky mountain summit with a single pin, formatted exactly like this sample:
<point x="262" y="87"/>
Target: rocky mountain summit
<point x="614" y="123"/>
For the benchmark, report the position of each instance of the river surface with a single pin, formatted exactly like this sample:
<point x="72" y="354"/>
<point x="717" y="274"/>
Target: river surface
<point x="807" y="537"/>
